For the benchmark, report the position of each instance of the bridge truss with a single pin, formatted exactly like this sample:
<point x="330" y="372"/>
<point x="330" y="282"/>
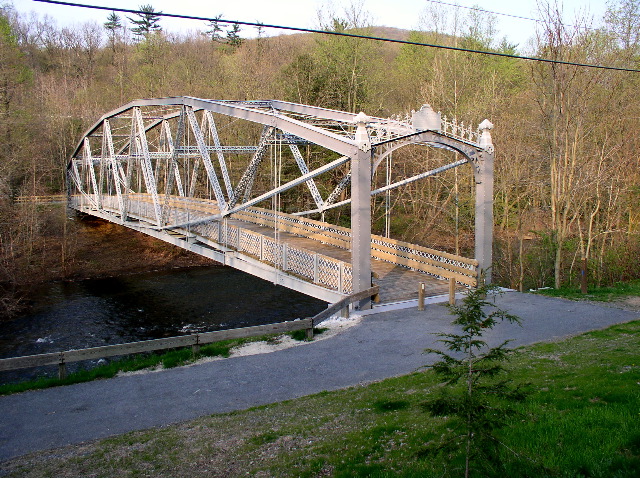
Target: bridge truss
<point x="184" y="169"/>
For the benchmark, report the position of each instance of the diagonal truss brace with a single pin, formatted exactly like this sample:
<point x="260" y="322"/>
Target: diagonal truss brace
<point x="109" y="153"/>
<point x="172" y="166"/>
<point x="206" y="159"/>
<point x="342" y="185"/>
<point x="305" y="170"/>
<point x="213" y="131"/>
<point x="245" y="185"/>
<point x="92" y="171"/>
<point x="145" y="163"/>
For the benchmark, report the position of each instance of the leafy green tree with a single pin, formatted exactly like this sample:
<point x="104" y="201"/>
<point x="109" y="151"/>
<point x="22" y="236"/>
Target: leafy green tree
<point x="477" y="393"/>
<point x="148" y="21"/>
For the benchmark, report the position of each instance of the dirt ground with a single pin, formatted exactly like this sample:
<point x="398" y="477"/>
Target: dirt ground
<point x="629" y="303"/>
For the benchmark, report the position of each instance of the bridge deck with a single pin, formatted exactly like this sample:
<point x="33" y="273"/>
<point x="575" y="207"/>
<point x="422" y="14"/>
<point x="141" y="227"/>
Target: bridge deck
<point x="398" y="268"/>
<point x="396" y="282"/>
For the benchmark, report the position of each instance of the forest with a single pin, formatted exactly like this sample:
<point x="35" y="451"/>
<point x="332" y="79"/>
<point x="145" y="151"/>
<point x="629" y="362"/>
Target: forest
<point x="567" y="179"/>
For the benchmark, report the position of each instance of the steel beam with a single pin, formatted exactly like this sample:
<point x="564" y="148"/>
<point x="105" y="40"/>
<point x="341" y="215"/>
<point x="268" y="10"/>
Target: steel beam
<point x="92" y="171"/>
<point x="206" y="159"/>
<point x="115" y="166"/>
<point x="213" y="131"/>
<point x="145" y="164"/>
<point x="305" y="170"/>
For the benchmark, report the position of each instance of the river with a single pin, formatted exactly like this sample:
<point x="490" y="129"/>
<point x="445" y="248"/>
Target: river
<point x="89" y="313"/>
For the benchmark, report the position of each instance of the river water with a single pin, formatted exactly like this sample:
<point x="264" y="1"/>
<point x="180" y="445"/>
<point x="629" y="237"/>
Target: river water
<point x="89" y="313"/>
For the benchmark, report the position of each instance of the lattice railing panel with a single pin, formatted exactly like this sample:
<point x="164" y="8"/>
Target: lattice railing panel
<point x="272" y="252"/>
<point x="328" y="273"/>
<point x="250" y="243"/>
<point x="300" y="262"/>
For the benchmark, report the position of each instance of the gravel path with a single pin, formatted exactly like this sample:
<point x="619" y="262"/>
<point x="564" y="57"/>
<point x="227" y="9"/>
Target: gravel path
<point x="380" y="346"/>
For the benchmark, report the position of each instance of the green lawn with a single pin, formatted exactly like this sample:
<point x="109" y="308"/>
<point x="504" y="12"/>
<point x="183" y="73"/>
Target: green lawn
<point x="617" y="291"/>
<point x="582" y="419"/>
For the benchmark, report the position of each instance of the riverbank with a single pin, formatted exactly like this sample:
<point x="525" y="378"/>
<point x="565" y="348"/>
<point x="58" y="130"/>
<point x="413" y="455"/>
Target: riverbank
<point x="65" y="246"/>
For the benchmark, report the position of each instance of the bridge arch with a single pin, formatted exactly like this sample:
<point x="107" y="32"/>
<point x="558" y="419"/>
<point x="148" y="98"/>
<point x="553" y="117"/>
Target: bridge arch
<point x="179" y="150"/>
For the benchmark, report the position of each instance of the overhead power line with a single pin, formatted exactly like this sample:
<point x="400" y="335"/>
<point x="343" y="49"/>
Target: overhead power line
<point x="344" y="34"/>
<point x="478" y="9"/>
<point x="510" y="15"/>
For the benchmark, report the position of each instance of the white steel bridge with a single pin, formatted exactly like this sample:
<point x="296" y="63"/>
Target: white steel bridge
<point x="214" y="177"/>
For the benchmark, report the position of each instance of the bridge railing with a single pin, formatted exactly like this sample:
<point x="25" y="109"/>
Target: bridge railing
<point x="308" y="265"/>
<point x="317" y="268"/>
<point x="52" y="198"/>
<point x="440" y="264"/>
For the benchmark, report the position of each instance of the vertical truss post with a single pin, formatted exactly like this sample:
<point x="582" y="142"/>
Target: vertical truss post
<point x="206" y="159"/>
<point x="484" y="203"/>
<point x="108" y="151"/>
<point x="213" y="131"/>
<point x="311" y="184"/>
<point x="92" y="172"/>
<point x="361" y="211"/>
<point x="145" y="163"/>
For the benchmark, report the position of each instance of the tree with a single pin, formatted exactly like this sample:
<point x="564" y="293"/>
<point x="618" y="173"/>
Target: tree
<point x="215" y="30"/>
<point x="233" y="36"/>
<point x="113" y="25"/>
<point x="147" y="21"/>
<point x="476" y="394"/>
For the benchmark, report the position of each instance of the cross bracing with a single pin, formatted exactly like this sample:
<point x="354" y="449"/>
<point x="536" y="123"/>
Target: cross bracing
<point x="238" y="155"/>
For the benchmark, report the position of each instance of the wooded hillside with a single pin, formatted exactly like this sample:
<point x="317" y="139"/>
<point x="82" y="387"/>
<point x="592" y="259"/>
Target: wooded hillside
<point x="567" y="164"/>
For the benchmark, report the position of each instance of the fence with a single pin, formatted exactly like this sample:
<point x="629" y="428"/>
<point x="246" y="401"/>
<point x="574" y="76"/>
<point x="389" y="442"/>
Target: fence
<point x="193" y="340"/>
<point x="309" y="265"/>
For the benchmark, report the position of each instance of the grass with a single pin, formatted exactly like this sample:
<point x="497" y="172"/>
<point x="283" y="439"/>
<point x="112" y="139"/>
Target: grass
<point x="603" y="294"/>
<point x="581" y="420"/>
<point x="166" y="359"/>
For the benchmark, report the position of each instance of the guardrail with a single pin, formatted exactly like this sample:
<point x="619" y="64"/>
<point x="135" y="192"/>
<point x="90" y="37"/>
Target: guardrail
<point x="334" y="274"/>
<point x="430" y="261"/>
<point x="308" y="265"/>
<point x="193" y="340"/>
<point x="42" y="199"/>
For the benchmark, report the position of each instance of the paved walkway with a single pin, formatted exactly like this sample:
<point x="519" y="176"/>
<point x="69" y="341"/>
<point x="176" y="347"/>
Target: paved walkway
<point x="382" y="345"/>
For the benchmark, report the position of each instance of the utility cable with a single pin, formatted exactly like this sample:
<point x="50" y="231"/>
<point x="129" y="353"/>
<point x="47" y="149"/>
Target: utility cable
<point x="510" y="15"/>
<point x="478" y="9"/>
<point x="348" y="35"/>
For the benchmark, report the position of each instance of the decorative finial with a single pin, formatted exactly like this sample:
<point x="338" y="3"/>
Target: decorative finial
<point x="485" y="136"/>
<point x="362" y="136"/>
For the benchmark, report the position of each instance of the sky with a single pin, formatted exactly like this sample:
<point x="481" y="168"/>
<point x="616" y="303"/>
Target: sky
<point x="405" y="14"/>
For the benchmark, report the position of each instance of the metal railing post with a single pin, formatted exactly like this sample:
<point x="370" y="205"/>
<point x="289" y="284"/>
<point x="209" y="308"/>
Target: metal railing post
<point x="315" y="268"/>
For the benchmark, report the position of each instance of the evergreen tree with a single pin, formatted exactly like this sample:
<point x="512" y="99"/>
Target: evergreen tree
<point x="215" y="30"/>
<point x="477" y="393"/>
<point x="113" y="25"/>
<point x="233" y="36"/>
<point x="148" y="21"/>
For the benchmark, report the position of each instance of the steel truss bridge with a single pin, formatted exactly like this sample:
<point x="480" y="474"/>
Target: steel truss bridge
<point x="210" y="176"/>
